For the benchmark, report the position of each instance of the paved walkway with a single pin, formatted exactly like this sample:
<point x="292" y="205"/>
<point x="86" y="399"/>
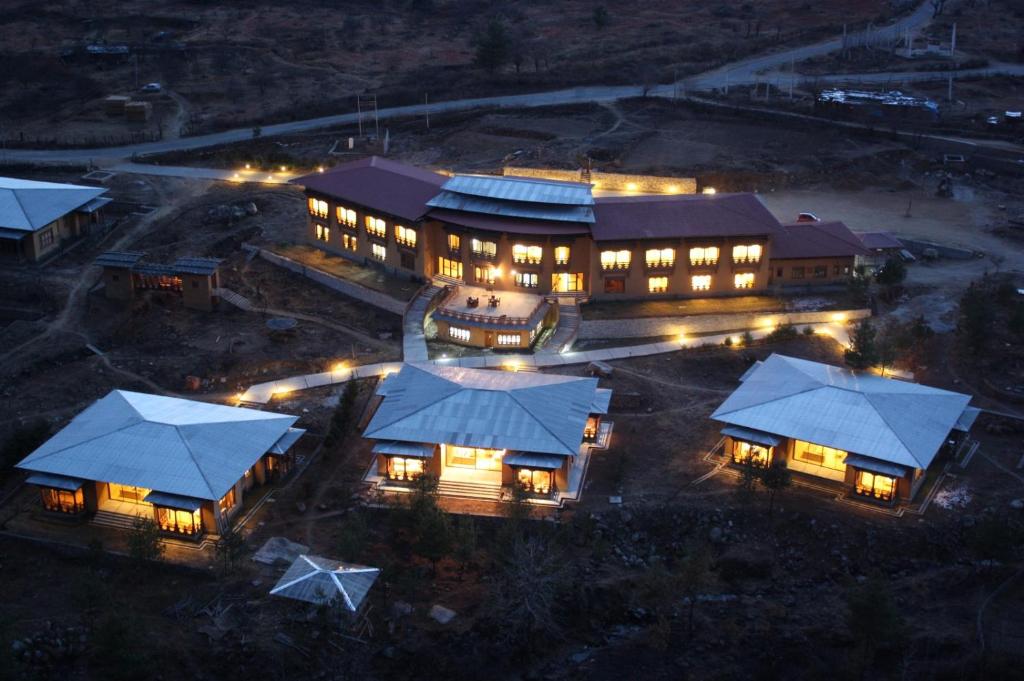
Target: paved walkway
<point x="414" y="340"/>
<point x="566" y="330"/>
<point x="276" y="177"/>
<point x="263" y="393"/>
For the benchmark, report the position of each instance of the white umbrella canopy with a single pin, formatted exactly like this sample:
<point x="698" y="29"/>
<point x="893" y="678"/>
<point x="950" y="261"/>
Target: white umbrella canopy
<point x="320" y="581"/>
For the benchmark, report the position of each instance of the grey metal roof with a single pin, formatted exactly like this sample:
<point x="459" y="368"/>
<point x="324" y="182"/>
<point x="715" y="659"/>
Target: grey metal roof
<point x="94" y="205"/>
<point x="526" y="189"/>
<point x="529" y="460"/>
<point x="875" y="466"/>
<point x="517" y="209"/>
<point x="967" y="419"/>
<point x="28" y="205"/>
<point x="154" y="269"/>
<point x="183" y="447"/>
<point x="174" y="501"/>
<point x="419" y="450"/>
<point x="895" y="421"/>
<point x="55" y="481"/>
<point x="290" y="437"/>
<point x="527" y="412"/>
<point x="197" y="265"/>
<point x="602" y="398"/>
<point x="751" y="435"/>
<point x="122" y="259"/>
<point x="320" y="580"/>
<point x="13" y="234"/>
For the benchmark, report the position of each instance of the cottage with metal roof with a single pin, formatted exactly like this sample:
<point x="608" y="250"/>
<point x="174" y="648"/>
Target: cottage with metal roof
<point x="184" y="463"/>
<point x="196" y="280"/>
<point x="814" y="253"/>
<point x="479" y="431"/>
<point x="38" y="219"/>
<point x="876" y="436"/>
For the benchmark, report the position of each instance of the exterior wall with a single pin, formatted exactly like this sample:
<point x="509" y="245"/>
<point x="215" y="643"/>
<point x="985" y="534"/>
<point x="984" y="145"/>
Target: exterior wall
<point x="480" y="337"/>
<point x="335" y="243"/>
<point x="208" y="513"/>
<point x="836" y="271"/>
<point x="118" y="284"/>
<point x="197" y="291"/>
<point x="647" y="184"/>
<point x="635" y="277"/>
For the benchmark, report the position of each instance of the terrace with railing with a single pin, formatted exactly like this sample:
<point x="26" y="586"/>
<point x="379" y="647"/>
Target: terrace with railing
<point x="481" y="306"/>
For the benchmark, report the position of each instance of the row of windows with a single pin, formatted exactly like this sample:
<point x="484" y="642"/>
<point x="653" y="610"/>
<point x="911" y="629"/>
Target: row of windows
<point x="817" y="272"/>
<point x="459" y="334"/>
<point x="666" y="257"/>
<point x="698" y="282"/>
<point x="509" y="339"/>
<point x="521" y="253"/>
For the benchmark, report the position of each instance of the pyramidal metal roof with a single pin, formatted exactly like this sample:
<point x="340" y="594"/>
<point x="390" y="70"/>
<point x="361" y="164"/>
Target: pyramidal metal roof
<point x="480" y="408"/>
<point x="28" y="205"/>
<point x="895" y="421"/>
<point x="320" y="580"/>
<point x="172" y="445"/>
<point x="519" y="197"/>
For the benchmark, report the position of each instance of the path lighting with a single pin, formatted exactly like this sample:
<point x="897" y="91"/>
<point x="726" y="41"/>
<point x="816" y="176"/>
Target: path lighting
<point x="839" y="317"/>
<point x="631" y="186"/>
<point x="672" y="189"/>
<point x="284" y="168"/>
<point x="248" y="166"/>
<point x="320" y="169"/>
<point x="710" y="190"/>
<point x="338" y="366"/>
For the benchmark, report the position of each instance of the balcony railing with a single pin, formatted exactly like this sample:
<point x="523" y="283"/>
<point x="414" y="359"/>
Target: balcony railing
<point x="481" y="318"/>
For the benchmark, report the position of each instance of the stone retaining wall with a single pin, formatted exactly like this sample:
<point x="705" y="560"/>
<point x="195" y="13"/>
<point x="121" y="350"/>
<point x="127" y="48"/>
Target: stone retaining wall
<point x="349" y="288"/>
<point x="642" y="184"/>
<point x="651" y="327"/>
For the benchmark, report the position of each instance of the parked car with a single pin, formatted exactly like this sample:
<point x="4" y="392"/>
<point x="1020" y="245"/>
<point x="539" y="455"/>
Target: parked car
<point x="807" y="217"/>
<point x="151" y="87"/>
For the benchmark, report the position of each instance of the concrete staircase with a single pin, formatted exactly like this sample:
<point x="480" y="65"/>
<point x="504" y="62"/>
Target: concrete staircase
<point x="118" y="521"/>
<point x="414" y="342"/>
<point x="469" y="490"/>
<point x="565" y="332"/>
<point x="235" y="299"/>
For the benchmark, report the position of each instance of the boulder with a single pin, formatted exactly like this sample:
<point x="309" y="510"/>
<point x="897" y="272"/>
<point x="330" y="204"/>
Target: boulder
<point x="441" y="614"/>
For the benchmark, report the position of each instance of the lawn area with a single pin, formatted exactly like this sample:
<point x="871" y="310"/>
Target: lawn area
<point x="681" y="307"/>
<point x="399" y="288"/>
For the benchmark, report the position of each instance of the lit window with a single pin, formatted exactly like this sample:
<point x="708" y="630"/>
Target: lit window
<point x="538" y="482"/>
<point x="509" y="339"/>
<point x="704" y="255"/>
<point x="317" y="207"/>
<point x="657" y="284"/>
<point x="700" y="282"/>
<point x="874" y="485"/>
<point x="744" y="280"/>
<point x="749" y="253"/>
<point x="567" y="282"/>
<point x="346" y="217"/>
<point x="402" y="468"/>
<point x="561" y="255"/>
<point x="615" y="260"/>
<point x="817" y="455"/>
<point x="745" y="452"/>
<point x="483" y="275"/>
<point x="375" y="227"/>
<point x="322" y="233"/>
<point x="405" y="235"/>
<point x="474" y="457"/>
<point x="449" y="268"/>
<point x="526" y="279"/>
<point x="522" y="253"/>
<point x="485" y="249"/>
<point x="454" y="242"/>
<point x="227" y="502"/>
<point x="378" y="251"/>
<point x="661" y="257"/>
<point x="458" y="334"/>
<point x="349" y="242"/>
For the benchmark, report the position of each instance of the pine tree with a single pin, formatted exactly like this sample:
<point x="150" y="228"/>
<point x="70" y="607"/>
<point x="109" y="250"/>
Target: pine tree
<point x="862" y="353"/>
<point x="493" y="48"/>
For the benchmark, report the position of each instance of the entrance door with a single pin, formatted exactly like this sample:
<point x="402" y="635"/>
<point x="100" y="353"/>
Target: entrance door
<point x="488" y="339"/>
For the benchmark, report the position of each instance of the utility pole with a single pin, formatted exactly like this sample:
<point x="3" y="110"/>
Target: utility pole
<point x="426" y="109"/>
<point x="359" y="113"/>
<point x="952" y="43"/>
<point x="950" y="94"/>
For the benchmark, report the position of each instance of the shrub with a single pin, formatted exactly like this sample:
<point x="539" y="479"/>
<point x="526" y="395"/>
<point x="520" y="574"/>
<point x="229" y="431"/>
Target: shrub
<point x="144" y="541"/>
<point x="22" y="442"/>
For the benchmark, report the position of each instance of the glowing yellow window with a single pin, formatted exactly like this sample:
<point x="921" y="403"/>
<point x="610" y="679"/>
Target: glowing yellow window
<point x="483" y="275"/>
<point x="561" y="255"/>
<point x="700" y="282"/>
<point x="485" y="249"/>
<point x="657" y="284"/>
<point x="349" y="242"/>
<point x="454" y="242"/>
<point x="746" y="253"/>
<point x="378" y="252"/>
<point x="346" y="216"/>
<point x="522" y="253"/>
<point x="405" y="235"/>
<point x="660" y="257"/>
<point x="323" y="233"/>
<point x="615" y="260"/>
<point x="375" y="226"/>
<point x="318" y="207"/>
<point x="744" y="280"/>
<point x="704" y="255"/>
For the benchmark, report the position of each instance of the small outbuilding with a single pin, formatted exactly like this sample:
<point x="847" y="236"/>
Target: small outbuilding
<point x="40" y="219"/>
<point x="322" y="581"/>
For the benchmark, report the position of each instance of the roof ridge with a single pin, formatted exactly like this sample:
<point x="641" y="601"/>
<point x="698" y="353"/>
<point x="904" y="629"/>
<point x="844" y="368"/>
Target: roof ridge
<point x="82" y="442"/>
<point x="192" y="455"/>
<point x="17" y="199"/>
<point x="892" y="429"/>
<point x="542" y="424"/>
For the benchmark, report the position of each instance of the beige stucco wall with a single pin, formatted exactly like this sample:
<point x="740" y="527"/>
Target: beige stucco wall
<point x="709" y="323"/>
<point x="607" y="181"/>
<point x="782" y="271"/>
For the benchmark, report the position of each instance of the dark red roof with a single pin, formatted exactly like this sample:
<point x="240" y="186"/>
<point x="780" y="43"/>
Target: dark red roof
<point x="692" y="215"/>
<point x="379" y="184"/>
<point x="500" y="223"/>
<point x="816" y="240"/>
<point x="879" y="240"/>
